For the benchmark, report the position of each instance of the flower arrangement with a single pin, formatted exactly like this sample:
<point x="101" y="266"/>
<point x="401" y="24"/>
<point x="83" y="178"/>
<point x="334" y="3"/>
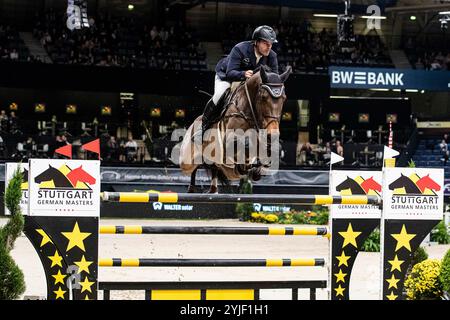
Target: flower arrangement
<point x="423" y="282"/>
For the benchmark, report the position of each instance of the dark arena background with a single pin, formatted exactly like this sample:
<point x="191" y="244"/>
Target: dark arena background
<point x="134" y="71"/>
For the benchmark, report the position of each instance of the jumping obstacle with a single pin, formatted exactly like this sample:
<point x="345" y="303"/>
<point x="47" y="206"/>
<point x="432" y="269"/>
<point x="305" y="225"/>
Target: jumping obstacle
<point x="212" y="290"/>
<point x="67" y="230"/>
<point x="209" y="290"/>
<point x="143" y="262"/>
<point x="172" y="197"/>
<point x="271" y="231"/>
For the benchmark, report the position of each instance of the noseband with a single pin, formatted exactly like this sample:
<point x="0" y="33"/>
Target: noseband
<point x="275" y="90"/>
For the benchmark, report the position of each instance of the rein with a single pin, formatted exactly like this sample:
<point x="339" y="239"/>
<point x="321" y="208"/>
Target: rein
<point x="274" y="89"/>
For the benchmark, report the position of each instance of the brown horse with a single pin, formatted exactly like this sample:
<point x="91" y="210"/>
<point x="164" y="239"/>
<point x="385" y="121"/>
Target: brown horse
<point x="255" y="104"/>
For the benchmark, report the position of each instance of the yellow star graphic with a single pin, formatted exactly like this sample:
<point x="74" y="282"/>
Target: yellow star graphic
<point x="339" y="291"/>
<point x="392" y="296"/>
<point x="350" y="236"/>
<point x="396" y="264"/>
<point x="83" y="265"/>
<point x="56" y="259"/>
<point x="59" y="277"/>
<point x="45" y="238"/>
<point x="393" y="282"/>
<point x="60" y="293"/>
<point x="403" y="238"/>
<point x="76" y="237"/>
<point x="340" y="276"/>
<point x="86" y="285"/>
<point x="343" y="259"/>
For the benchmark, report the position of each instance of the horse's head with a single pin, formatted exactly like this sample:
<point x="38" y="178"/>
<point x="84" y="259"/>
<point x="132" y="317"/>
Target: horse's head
<point x="344" y="185"/>
<point x="269" y="98"/>
<point x="399" y="183"/>
<point x="47" y="175"/>
<point x="371" y="184"/>
<point x="428" y="183"/>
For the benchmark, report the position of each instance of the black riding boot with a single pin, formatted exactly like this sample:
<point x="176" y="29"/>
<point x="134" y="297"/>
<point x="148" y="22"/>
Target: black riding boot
<point x="211" y="115"/>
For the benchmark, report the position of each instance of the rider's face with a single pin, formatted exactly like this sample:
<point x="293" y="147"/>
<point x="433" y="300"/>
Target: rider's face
<point x="263" y="47"/>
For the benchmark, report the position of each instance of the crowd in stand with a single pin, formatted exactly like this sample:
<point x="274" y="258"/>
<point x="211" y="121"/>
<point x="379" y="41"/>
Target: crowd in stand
<point x="120" y="42"/>
<point x="12" y="46"/>
<point x="426" y="57"/>
<point x="305" y="49"/>
<point x="125" y="42"/>
<point x="18" y="142"/>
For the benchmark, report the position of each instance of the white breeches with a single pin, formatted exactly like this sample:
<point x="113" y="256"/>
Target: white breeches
<point x="220" y="87"/>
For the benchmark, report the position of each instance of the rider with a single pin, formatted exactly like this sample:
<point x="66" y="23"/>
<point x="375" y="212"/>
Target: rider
<point x="238" y="66"/>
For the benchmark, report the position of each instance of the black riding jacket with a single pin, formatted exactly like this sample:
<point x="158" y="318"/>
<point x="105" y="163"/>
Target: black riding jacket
<point x="242" y="58"/>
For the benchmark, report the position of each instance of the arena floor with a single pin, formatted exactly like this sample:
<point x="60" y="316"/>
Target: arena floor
<point x="364" y="281"/>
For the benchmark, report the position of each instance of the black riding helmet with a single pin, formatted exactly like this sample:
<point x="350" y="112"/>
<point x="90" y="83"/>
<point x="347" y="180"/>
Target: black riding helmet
<point x="265" y="33"/>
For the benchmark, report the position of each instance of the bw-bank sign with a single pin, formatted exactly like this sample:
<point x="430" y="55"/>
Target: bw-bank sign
<point x="368" y="78"/>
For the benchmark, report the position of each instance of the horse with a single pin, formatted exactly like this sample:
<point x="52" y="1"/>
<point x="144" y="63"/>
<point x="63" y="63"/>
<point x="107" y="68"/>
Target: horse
<point x="79" y="175"/>
<point x="407" y="183"/>
<point x="427" y="183"/>
<point x="59" y="179"/>
<point x="371" y="184"/>
<point x="351" y="184"/>
<point x="255" y="104"/>
<point x="24" y="175"/>
<point x="24" y="184"/>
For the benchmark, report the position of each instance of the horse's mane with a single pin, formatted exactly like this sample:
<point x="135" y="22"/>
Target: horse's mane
<point x="266" y="68"/>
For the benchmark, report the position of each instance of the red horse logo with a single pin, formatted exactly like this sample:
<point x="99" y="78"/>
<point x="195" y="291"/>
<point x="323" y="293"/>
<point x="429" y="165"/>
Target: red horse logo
<point x="427" y="183"/>
<point x="370" y="184"/>
<point x="79" y="175"/>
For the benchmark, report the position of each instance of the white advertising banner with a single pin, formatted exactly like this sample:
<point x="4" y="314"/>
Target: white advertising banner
<point x="64" y="188"/>
<point x="10" y="168"/>
<point x="356" y="183"/>
<point x="413" y="193"/>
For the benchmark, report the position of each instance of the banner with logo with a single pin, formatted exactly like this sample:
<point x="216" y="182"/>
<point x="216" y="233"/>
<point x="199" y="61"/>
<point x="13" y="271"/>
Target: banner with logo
<point x="412" y="193"/>
<point x="64" y="206"/>
<point x="10" y="170"/>
<point x="174" y="176"/>
<point x="64" y="188"/>
<point x="413" y="203"/>
<point x="356" y="183"/>
<point x="373" y="78"/>
<point x="350" y="225"/>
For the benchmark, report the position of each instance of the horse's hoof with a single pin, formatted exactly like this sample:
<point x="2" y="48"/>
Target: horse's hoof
<point x="191" y="189"/>
<point x="213" y="190"/>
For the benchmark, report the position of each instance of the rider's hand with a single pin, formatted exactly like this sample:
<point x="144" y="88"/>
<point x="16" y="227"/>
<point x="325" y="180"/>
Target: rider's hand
<point x="248" y="73"/>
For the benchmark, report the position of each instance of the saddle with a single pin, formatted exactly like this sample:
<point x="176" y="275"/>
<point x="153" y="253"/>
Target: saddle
<point x="227" y="99"/>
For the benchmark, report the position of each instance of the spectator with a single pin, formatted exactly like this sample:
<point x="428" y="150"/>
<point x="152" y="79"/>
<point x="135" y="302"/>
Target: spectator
<point x="13" y="122"/>
<point x="306" y="154"/>
<point x="131" y="150"/>
<point x="58" y="143"/>
<point x="29" y="146"/>
<point x="14" y="55"/>
<point x="443" y="146"/>
<point x="3" y="151"/>
<point x="444" y="151"/>
<point x="3" y="122"/>
<point x="112" y="149"/>
<point x="327" y="153"/>
<point x="339" y="148"/>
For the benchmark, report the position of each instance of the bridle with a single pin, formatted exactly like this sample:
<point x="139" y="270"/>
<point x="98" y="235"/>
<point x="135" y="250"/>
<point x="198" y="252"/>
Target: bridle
<point x="276" y="90"/>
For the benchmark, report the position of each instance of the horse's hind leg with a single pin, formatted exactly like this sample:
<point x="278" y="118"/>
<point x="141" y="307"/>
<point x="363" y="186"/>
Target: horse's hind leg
<point x="191" y="188"/>
<point x="214" y="175"/>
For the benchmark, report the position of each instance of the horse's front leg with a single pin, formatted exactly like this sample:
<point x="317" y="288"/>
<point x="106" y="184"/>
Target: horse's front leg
<point x="213" y="188"/>
<point x="191" y="188"/>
